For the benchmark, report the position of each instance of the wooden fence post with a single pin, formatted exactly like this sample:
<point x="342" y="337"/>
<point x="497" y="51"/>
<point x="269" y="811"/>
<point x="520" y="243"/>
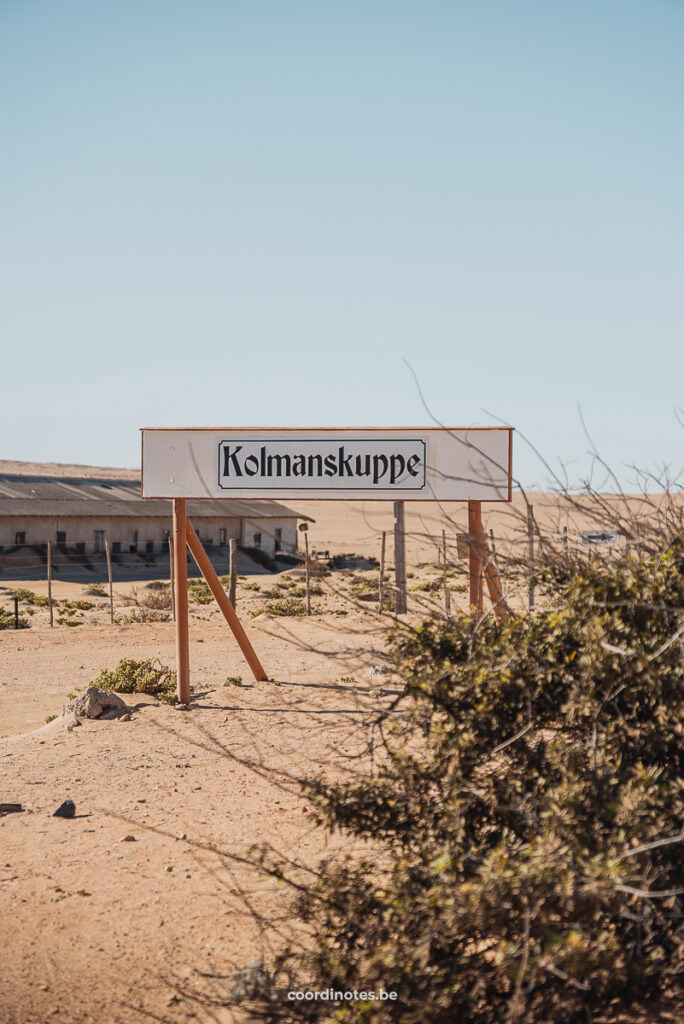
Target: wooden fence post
<point x="308" y="595"/>
<point x="381" y="585"/>
<point x="171" y="580"/>
<point x="530" y="552"/>
<point x="400" y="557"/>
<point x="49" y="575"/>
<point x="109" y="576"/>
<point x="475" y="557"/>
<point x="232" y="596"/>
<point x="180" y="572"/>
<point x="447" y="595"/>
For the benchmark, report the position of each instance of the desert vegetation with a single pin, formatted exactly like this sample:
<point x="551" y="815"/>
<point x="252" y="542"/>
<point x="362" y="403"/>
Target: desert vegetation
<point x="521" y="825"/>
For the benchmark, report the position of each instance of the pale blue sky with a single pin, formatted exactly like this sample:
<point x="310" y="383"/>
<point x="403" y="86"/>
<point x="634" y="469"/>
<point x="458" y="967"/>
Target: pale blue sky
<point x="285" y="201"/>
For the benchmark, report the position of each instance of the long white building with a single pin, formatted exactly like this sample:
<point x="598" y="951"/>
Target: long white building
<point x="78" y="514"/>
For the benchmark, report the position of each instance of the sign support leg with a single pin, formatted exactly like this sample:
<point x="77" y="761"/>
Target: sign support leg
<point x="476" y="539"/>
<point x="180" y="580"/>
<point x="400" y="557"/>
<point x="214" y="584"/>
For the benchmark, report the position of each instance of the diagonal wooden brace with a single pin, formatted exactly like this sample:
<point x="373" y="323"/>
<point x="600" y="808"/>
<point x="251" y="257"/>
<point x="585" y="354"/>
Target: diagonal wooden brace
<point x="214" y="584"/>
<point x="482" y="564"/>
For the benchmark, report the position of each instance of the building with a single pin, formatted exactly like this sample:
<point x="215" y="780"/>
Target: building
<point x="79" y="513"/>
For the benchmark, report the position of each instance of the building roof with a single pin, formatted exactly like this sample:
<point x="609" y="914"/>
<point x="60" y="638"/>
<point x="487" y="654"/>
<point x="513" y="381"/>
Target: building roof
<point x="86" y="496"/>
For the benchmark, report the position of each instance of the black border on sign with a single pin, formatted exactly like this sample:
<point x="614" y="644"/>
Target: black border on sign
<point x="320" y="440"/>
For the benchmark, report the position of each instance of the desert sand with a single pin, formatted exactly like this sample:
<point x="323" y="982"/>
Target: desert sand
<point x="96" y="926"/>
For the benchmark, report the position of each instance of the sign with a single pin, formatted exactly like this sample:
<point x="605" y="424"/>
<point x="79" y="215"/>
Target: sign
<point x="392" y="464"/>
<point x="601" y="537"/>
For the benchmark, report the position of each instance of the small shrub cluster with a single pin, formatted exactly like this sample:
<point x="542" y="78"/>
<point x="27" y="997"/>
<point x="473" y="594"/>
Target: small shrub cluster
<point x="140" y="676"/>
<point x="287" y="606"/>
<point x="97" y="590"/>
<point x="199" y="592"/>
<point x="141" y="615"/>
<point x="73" y="606"/>
<point x="29" y="597"/>
<point x="7" y="620"/>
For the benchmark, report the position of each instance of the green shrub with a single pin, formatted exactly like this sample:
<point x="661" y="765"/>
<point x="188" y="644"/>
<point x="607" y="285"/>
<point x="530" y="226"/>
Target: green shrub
<point x="145" y="676"/>
<point x="81" y="606"/>
<point x="97" y="590"/>
<point x="7" y="620"/>
<point x="429" y="586"/>
<point x="526" y="817"/>
<point x="287" y="606"/>
<point x="199" y="592"/>
<point x="49" y="718"/>
<point x="28" y="597"/>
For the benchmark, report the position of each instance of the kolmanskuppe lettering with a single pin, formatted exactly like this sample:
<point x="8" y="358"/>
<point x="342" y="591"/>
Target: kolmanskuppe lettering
<point x="386" y="467"/>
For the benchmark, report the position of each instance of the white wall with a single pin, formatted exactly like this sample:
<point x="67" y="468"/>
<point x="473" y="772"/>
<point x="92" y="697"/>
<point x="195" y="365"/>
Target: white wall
<point x="119" y="530"/>
<point x="267" y="528"/>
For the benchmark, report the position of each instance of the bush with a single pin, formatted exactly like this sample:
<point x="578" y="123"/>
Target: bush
<point x="198" y="592"/>
<point x="287" y="606"/>
<point x="527" y="817"/>
<point x="145" y="676"/>
<point x="29" y="597"/>
<point x="7" y="620"/>
<point x="97" y="590"/>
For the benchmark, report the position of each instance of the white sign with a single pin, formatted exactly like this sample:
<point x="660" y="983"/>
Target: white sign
<point x="601" y="537"/>
<point x="418" y="463"/>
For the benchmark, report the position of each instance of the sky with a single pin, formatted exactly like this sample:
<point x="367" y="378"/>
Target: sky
<point x="374" y="212"/>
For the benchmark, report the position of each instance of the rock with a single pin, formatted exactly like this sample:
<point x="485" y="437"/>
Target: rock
<point x="65" y="810"/>
<point x="251" y="982"/>
<point x="128" y="839"/>
<point x="70" y="722"/>
<point x="10" y="808"/>
<point x="93" y="702"/>
<point x="125" y="718"/>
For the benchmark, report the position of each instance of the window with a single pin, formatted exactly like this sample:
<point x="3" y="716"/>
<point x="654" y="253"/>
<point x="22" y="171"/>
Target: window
<point x="99" y="540"/>
<point x="223" y="536"/>
<point x="61" y="537"/>
<point x="80" y="548"/>
<point x="149" y="546"/>
<point x="133" y="546"/>
<point x="116" y="547"/>
<point x="20" y="538"/>
<point x="257" y="540"/>
<point x="278" y="538"/>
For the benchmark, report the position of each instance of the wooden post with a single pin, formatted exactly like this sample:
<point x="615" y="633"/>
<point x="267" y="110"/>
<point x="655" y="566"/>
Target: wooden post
<point x="49" y="575"/>
<point x="16" y="613"/>
<point x="308" y="595"/>
<point x="530" y="552"/>
<point x="180" y="571"/>
<point x="400" y="557"/>
<point x="381" y="585"/>
<point x="233" y="572"/>
<point x="474" y="556"/>
<point x="214" y="584"/>
<point x="171" y="579"/>
<point x="109" y="577"/>
<point x="447" y="595"/>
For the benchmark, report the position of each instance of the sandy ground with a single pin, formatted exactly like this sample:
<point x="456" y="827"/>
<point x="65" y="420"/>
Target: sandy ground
<point x="94" y="922"/>
<point x="95" y="926"/>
